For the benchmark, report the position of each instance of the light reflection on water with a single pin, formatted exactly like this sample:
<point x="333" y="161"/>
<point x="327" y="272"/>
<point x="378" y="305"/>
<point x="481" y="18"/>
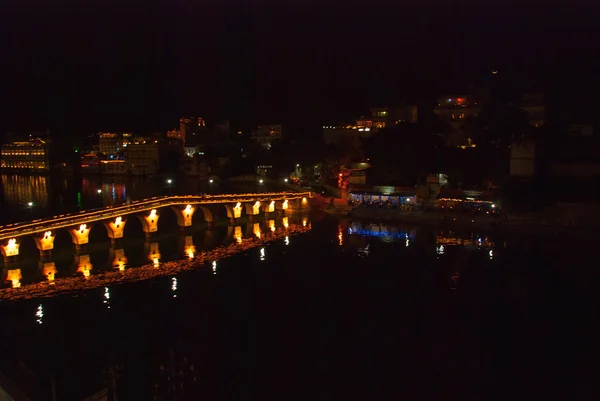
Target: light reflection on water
<point x="431" y="254"/>
<point x="85" y="261"/>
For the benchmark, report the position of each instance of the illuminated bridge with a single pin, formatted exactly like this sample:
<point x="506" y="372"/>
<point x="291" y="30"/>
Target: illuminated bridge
<point x="148" y="212"/>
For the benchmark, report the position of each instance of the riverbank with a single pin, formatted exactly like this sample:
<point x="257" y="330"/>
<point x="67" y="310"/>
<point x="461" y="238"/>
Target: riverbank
<point x="531" y="224"/>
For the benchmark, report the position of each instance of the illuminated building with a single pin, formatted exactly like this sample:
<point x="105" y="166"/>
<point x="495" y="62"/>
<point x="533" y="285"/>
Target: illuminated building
<point x="90" y="163"/>
<point x="455" y="110"/>
<point x="113" y="167"/>
<point x="388" y="116"/>
<point x="32" y="155"/>
<point x="192" y="131"/>
<point x="143" y="157"/>
<point x="535" y="107"/>
<point x="176" y="134"/>
<point x="110" y="143"/>
<point x="264" y="135"/>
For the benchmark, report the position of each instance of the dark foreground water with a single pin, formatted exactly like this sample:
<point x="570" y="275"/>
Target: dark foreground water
<point x="346" y="311"/>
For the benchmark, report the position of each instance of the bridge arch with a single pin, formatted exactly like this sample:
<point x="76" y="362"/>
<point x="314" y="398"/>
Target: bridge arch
<point x="98" y="232"/>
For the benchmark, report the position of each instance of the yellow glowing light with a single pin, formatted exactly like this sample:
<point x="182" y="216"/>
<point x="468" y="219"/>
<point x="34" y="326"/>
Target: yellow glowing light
<point x="15" y="277"/>
<point x="12" y="248"/>
<point x="190" y="250"/>
<point x="284" y="206"/>
<point x="82" y="228"/>
<point x="256" y="208"/>
<point x="257" y="230"/>
<point x="238" y="234"/>
<point x="271" y="207"/>
<point x="85" y="266"/>
<point x="49" y="271"/>
<point x="304" y="221"/>
<point x="118" y="221"/>
<point x="340" y="238"/>
<point x="272" y="225"/>
<point x="304" y="201"/>
<point x="286" y="223"/>
<point x="237" y="210"/>
<point x="153" y="212"/>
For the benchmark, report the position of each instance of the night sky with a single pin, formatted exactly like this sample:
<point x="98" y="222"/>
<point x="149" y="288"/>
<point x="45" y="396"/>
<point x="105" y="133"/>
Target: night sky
<point x="116" y="66"/>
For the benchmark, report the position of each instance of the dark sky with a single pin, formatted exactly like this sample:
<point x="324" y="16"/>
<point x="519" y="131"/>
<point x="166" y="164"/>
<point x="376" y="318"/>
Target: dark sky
<point x="122" y="66"/>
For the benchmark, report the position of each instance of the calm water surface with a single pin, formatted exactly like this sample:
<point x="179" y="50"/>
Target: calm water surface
<point x="347" y="311"/>
<point x="51" y="195"/>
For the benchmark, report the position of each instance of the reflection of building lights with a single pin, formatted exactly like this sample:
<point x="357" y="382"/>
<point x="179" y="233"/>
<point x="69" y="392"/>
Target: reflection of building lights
<point x="49" y="271"/>
<point x="284" y="206"/>
<point x="85" y="266"/>
<point x="214" y="267"/>
<point x="238" y="234"/>
<point x="340" y="237"/>
<point x="304" y="201"/>
<point x="440" y="250"/>
<point x="107" y="297"/>
<point x="271" y="207"/>
<point x="304" y="221"/>
<point x="286" y="223"/>
<point x="287" y="240"/>
<point x="174" y="286"/>
<point x="256" y="230"/>
<point x="272" y="225"/>
<point x="491" y="253"/>
<point x="14" y="276"/>
<point x="262" y="253"/>
<point x="39" y="314"/>
<point x="120" y="260"/>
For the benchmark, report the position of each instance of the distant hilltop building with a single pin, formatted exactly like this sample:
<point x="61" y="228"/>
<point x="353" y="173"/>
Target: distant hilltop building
<point x="265" y="135"/>
<point x="455" y="110"/>
<point x="381" y="117"/>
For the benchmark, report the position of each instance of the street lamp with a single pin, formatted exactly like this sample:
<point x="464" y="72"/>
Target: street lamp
<point x="99" y="191"/>
<point x="210" y="181"/>
<point x="169" y="181"/>
<point x="30" y="204"/>
<point x="285" y="180"/>
<point x="260" y="181"/>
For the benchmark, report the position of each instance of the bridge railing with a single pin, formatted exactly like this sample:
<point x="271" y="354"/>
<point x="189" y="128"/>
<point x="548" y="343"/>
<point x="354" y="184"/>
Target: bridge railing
<point x="92" y="215"/>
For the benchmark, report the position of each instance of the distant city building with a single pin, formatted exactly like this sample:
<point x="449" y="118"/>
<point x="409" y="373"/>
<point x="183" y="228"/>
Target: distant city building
<point x="347" y="135"/>
<point x="455" y="110"/>
<point x="143" y="153"/>
<point x="382" y="117"/>
<point x="33" y="155"/>
<point x="110" y="143"/>
<point x="535" y="107"/>
<point x="90" y="163"/>
<point x="175" y="134"/>
<point x="192" y="130"/>
<point x="264" y="135"/>
<point x="113" y="167"/>
<point x="143" y="157"/>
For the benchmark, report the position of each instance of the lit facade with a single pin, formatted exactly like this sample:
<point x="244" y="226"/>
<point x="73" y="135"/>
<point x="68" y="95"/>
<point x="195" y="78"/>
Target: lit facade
<point x="33" y="155"/>
<point x="264" y="135"/>
<point x="456" y="110"/>
<point x="110" y="143"/>
<point x="113" y="167"/>
<point x="143" y="157"/>
<point x="382" y="117"/>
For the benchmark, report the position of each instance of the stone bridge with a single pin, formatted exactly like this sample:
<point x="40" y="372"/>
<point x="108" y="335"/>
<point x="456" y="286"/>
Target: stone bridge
<point x="147" y="211"/>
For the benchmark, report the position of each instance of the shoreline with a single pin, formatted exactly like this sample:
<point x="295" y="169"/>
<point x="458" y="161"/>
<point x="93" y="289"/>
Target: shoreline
<point x="529" y="225"/>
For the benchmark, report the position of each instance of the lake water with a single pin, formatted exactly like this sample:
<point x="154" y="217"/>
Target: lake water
<point x="346" y="311"/>
<point x="51" y="195"/>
